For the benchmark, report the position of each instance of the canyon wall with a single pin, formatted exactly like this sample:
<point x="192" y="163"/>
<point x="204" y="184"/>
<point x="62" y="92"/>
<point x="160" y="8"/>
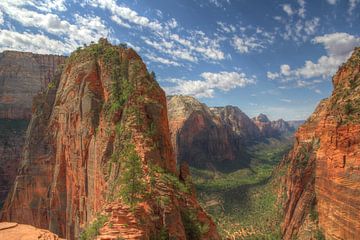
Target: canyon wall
<point x="22" y="76"/>
<point x="217" y="137"/>
<point x="98" y="151"/>
<point x="322" y="180"/>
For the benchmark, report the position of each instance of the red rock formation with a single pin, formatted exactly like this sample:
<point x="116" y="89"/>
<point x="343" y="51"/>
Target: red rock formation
<point x="105" y="113"/>
<point x="208" y="137"/>
<point x="22" y="76"/>
<point x="322" y="183"/>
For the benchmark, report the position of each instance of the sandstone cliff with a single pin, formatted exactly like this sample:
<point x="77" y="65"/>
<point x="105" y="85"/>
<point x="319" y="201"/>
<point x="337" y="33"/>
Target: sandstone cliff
<point x="208" y="137"/>
<point x="322" y="183"/>
<point x="14" y="231"/>
<point x="98" y="156"/>
<point x="22" y="76"/>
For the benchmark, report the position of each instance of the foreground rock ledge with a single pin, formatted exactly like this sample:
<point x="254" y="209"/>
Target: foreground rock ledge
<point x="15" y="231"/>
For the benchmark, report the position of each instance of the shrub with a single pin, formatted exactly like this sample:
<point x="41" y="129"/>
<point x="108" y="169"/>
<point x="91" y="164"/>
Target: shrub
<point x="93" y="229"/>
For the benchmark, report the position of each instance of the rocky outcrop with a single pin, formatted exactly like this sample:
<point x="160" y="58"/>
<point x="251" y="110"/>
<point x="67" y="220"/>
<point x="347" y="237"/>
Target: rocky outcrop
<point x="208" y="137"/>
<point x="323" y="169"/>
<point x="98" y="158"/>
<point x="22" y="76"/>
<point x="14" y="231"/>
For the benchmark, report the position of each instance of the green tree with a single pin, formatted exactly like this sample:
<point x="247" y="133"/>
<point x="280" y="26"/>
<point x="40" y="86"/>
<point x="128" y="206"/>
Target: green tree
<point x="133" y="185"/>
<point x="153" y="75"/>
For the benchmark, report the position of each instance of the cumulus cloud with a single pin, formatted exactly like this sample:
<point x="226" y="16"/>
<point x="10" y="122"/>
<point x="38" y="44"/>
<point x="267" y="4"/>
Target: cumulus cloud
<point x="210" y="82"/>
<point x="29" y="42"/>
<point x="338" y="46"/>
<point x="85" y="29"/>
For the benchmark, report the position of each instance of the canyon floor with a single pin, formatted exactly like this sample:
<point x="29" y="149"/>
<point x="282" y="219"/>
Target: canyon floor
<point x="243" y="203"/>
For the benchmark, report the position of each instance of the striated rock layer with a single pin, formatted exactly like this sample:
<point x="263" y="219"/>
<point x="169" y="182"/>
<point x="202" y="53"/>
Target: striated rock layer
<point x="98" y="153"/>
<point x="22" y="76"/>
<point x="322" y="183"/>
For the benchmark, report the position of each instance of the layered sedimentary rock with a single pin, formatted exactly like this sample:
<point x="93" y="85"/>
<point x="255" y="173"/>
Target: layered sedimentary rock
<point x="23" y="75"/>
<point x="322" y="183"/>
<point x="203" y="137"/>
<point x="98" y="150"/>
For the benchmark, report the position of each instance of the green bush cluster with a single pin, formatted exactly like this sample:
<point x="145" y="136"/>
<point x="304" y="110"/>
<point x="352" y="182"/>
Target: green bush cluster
<point x="93" y="229"/>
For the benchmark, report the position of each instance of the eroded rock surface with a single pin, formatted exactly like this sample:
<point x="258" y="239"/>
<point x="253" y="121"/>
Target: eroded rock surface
<point x="22" y="76"/>
<point x="322" y="183"/>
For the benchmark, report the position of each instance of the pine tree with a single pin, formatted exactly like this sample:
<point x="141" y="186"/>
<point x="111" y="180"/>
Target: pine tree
<point x="133" y="185"/>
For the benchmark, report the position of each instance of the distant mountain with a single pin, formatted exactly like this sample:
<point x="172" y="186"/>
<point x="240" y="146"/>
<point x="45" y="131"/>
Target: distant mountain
<point x="218" y="136"/>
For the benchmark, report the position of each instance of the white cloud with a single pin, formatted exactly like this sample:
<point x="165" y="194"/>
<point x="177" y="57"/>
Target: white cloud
<point x="272" y="75"/>
<point x="29" y="42"/>
<point x="285" y="100"/>
<point x="301" y="10"/>
<point x="188" y="48"/>
<point x="162" y="60"/>
<point x="352" y="5"/>
<point x="49" y="5"/>
<point x="332" y="2"/>
<point x="119" y="21"/>
<point x="246" y="44"/>
<point x="287" y="8"/>
<point x="228" y="28"/>
<point x="338" y="46"/>
<point x="285" y="70"/>
<point x="1" y="18"/>
<point x="86" y="28"/>
<point x="219" y="3"/>
<point x="205" y="88"/>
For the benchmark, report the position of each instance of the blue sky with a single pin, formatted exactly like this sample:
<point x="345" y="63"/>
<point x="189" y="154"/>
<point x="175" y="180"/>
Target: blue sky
<point x="272" y="57"/>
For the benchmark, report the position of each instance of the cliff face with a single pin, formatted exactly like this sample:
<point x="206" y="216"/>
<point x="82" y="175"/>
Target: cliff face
<point x="322" y="183"/>
<point x="22" y="76"/>
<point x="205" y="137"/>
<point x="219" y="136"/>
<point x="12" y="138"/>
<point x="98" y="150"/>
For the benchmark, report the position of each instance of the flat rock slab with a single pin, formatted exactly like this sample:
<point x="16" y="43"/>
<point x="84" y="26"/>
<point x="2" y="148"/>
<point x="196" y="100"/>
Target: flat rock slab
<point x="15" y="231"/>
